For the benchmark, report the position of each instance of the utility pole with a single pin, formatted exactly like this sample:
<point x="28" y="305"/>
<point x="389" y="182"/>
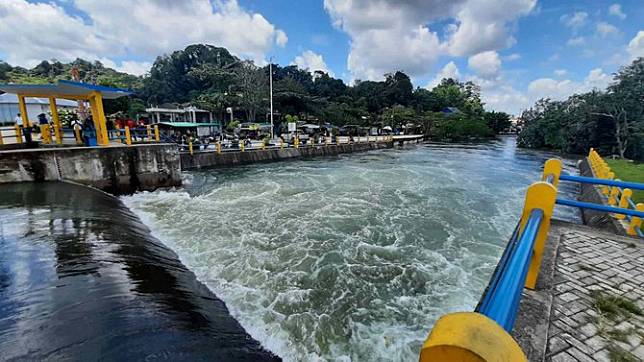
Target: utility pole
<point x="270" y="82"/>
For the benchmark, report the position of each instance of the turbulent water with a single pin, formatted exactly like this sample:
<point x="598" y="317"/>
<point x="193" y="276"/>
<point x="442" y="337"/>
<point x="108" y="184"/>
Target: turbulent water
<point x="351" y="258"/>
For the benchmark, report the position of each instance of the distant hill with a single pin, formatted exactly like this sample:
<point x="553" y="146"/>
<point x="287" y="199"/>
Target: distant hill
<point x="51" y="71"/>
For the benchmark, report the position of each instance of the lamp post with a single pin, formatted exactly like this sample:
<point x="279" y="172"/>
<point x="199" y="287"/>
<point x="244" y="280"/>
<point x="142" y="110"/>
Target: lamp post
<point x="270" y="82"/>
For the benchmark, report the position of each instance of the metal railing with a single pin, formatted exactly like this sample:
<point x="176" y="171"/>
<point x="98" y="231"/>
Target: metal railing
<point x="456" y="336"/>
<point x="296" y="143"/>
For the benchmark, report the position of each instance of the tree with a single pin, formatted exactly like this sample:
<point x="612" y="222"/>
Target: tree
<point x="251" y="87"/>
<point x="497" y="121"/>
<point x="625" y="100"/>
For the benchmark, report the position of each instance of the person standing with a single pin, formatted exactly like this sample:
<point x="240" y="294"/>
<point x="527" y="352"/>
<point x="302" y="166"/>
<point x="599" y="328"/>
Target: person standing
<point x="26" y="131"/>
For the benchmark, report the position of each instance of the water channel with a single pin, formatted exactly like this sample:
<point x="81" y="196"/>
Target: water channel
<point x="346" y="258"/>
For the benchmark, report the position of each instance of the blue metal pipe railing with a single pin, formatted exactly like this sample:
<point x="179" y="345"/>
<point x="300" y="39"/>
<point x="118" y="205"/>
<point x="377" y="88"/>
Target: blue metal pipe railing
<point x="599" y="207"/>
<point x="601" y="181"/>
<point x="501" y="300"/>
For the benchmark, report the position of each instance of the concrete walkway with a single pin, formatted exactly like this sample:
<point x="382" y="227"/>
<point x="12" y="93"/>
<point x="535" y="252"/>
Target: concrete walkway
<point x="589" y="303"/>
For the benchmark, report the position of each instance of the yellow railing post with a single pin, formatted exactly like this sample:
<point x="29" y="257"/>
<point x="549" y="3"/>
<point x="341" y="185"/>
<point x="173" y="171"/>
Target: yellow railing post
<point x="77" y="135"/>
<point x="470" y="337"/>
<point x="218" y="147"/>
<point x="45" y="136"/>
<point x="190" y="147"/>
<point x="281" y="144"/>
<point x="18" y="134"/>
<point x="241" y="146"/>
<point x="540" y="195"/>
<point x="128" y="136"/>
<point x="614" y="193"/>
<point x="1" y="140"/>
<point x="606" y="189"/>
<point x="337" y="140"/>
<point x="552" y="167"/>
<point x="297" y="142"/>
<point x="623" y="202"/>
<point x="157" y="137"/>
<point x="148" y="130"/>
<point x="636" y="222"/>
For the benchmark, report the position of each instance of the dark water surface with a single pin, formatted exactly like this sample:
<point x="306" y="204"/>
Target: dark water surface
<point x="82" y="279"/>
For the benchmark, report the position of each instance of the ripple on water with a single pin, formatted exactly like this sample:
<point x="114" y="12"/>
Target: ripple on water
<point x="352" y="258"/>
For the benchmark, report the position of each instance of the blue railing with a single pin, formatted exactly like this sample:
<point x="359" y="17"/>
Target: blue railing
<point x="458" y="334"/>
<point x="501" y="300"/>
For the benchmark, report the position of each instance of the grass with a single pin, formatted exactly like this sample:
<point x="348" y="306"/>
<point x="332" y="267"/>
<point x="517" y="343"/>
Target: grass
<point x="613" y="306"/>
<point x="617" y="354"/>
<point x="627" y="170"/>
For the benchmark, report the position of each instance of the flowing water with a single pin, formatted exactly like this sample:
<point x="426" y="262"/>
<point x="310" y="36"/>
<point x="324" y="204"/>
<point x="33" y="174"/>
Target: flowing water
<point x="350" y="258"/>
<point x="82" y="279"/>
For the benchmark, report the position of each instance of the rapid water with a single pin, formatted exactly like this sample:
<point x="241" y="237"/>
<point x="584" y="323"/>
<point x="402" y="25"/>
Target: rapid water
<point x="350" y="258"/>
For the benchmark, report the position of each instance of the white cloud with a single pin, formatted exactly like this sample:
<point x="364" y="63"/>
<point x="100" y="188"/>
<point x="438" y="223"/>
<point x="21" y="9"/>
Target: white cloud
<point x="636" y="45"/>
<point x="616" y="10"/>
<point x="484" y="25"/>
<point x="576" y="41"/>
<point x="450" y="70"/>
<point x="604" y="29"/>
<point x="560" y="72"/>
<point x="512" y="57"/>
<point x="133" y="67"/>
<point x="280" y="38"/>
<point x="149" y="29"/>
<point x="389" y="35"/>
<point x="576" y="20"/>
<point x="311" y="61"/>
<point x="561" y="89"/>
<point x="485" y="64"/>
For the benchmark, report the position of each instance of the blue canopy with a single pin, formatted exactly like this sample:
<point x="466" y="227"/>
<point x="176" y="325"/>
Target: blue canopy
<point x="64" y="88"/>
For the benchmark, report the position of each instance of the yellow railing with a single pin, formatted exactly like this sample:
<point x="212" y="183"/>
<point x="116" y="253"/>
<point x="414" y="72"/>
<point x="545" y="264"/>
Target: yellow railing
<point x="616" y="196"/>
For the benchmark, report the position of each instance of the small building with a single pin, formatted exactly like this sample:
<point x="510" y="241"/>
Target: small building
<point x="184" y="114"/>
<point x="182" y="120"/>
<point x="9" y="107"/>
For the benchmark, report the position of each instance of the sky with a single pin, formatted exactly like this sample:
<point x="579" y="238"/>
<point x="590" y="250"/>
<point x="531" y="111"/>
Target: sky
<point x="517" y="50"/>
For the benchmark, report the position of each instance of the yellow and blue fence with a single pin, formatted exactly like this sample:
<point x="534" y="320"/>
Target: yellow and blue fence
<point x="485" y="333"/>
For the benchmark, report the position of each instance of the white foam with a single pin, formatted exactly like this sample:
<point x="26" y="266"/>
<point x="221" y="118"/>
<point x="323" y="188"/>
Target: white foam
<point x="348" y="259"/>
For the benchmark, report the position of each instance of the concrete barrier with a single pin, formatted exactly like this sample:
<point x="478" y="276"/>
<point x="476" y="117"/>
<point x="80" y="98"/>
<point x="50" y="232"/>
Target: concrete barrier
<point x="592" y="194"/>
<point x="210" y="158"/>
<point x="114" y="169"/>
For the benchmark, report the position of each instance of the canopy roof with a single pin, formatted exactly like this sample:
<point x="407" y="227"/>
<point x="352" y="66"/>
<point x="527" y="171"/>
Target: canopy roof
<point x="63" y="89"/>
<point x="8" y="98"/>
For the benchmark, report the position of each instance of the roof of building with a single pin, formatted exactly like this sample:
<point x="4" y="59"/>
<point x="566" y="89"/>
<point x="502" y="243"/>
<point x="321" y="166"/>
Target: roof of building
<point x="8" y="98"/>
<point x="188" y="124"/>
<point x="174" y="110"/>
<point x="64" y="88"/>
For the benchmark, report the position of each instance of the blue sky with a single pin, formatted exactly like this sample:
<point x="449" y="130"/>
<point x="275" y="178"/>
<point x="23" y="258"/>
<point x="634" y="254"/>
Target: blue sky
<point x="517" y="50"/>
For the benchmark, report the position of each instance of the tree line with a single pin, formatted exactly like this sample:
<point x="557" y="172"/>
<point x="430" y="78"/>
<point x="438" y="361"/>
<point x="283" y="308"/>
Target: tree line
<point x="610" y="120"/>
<point x="212" y="78"/>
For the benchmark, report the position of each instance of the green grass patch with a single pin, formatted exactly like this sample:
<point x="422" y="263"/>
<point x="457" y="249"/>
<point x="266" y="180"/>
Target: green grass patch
<point x="627" y="170"/>
<point x="617" y="354"/>
<point x="613" y="306"/>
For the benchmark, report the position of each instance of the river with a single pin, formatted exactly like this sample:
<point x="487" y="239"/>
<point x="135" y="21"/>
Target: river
<point x="353" y="257"/>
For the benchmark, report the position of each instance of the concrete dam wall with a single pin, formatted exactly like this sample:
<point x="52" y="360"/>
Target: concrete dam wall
<point x="205" y="159"/>
<point x="114" y="169"/>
